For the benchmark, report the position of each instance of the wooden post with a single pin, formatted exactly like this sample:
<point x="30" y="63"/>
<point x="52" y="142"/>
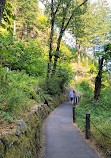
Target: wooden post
<point x="74" y="117"/>
<point x="87" y="126"/>
<point x="74" y="103"/>
<point x="76" y="100"/>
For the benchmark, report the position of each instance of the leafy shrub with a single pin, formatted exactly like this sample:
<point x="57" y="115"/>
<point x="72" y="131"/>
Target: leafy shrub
<point x="18" y="56"/>
<point x="55" y="85"/>
<point x="93" y="69"/>
<point x="16" y="93"/>
<point x="84" y="86"/>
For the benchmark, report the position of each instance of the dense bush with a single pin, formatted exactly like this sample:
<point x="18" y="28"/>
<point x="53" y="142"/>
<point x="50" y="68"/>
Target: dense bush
<point x="23" y="71"/>
<point x="84" y="87"/>
<point x="55" y="85"/>
<point x="19" y="56"/>
<point x="19" y="91"/>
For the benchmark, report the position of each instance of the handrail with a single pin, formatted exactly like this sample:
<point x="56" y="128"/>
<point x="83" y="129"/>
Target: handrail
<point x="98" y="141"/>
<point x="95" y="126"/>
<point x="100" y="130"/>
<point x="90" y="121"/>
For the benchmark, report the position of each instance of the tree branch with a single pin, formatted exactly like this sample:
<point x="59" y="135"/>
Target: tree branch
<point x="52" y="8"/>
<point x="57" y="8"/>
<point x="73" y="15"/>
<point x="61" y="31"/>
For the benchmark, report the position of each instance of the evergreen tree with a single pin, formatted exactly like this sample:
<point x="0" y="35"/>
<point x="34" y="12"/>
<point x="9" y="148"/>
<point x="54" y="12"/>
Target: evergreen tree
<point x="100" y="30"/>
<point x="26" y="13"/>
<point x="77" y="30"/>
<point x="88" y="20"/>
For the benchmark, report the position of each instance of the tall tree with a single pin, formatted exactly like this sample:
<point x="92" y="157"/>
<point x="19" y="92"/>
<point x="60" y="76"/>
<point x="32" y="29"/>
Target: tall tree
<point x="101" y="26"/>
<point x="67" y="15"/>
<point x="61" y="13"/>
<point x="53" y="15"/>
<point x="104" y="55"/>
<point x="88" y="21"/>
<point x="77" y="30"/>
<point x="98" y="80"/>
<point x="26" y="13"/>
<point x="2" y="5"/>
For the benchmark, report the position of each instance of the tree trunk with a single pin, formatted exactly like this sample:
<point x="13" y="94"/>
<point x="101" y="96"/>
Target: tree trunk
<point x="79" y="55"/>
<point x="63" y="28"/>
<point x="26" y="29"/>
<point x="59" y="40"/>
<point x="14" y="30"/>
<point x="53" y="14"/>
<point x="76" y="48"/>
<point x="93" y="55"/>
<point x="56" y="56"/>
<point x="106" y="65"/>
<point x="83" y="58"/>
<point x="83" y="54"/>
<point x="2" y="4"/>
<point x="86" y="57"/>
<point x="50" y="47"/>
<point x="98" y="80"/>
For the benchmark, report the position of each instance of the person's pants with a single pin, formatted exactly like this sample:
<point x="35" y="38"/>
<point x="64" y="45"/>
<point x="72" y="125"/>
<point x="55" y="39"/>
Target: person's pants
<point x="72" y="100"/>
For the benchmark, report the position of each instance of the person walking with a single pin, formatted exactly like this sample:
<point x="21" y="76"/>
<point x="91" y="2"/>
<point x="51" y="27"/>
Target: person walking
<point x="71" y="94"/>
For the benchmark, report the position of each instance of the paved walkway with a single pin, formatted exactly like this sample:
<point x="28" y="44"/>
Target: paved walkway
<point x="63" y="140"/>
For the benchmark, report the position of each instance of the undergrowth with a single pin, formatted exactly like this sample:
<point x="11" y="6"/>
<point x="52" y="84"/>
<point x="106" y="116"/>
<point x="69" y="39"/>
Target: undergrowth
<point x="18" y="93"/>
<point x="100" y="113"/>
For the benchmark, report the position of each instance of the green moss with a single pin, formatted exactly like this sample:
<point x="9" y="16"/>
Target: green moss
<point x="28" y="143"/>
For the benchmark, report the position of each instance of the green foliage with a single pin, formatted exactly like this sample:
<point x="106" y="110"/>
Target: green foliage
<point x="65" y="52"/>
<point x="7" y="17"/>
<point x="18" y="91"/>
<point x="7" y="116"/>
<point x="99" y="111"/>
<point x="26" y="13"/>
<point x="93" y="69"/>
<point x="84" y="87"/>
<point x="43" y="21"/>
<point x="19" y="56"/>
<point x="105" y="100"/>
<point x="55" y="86"/>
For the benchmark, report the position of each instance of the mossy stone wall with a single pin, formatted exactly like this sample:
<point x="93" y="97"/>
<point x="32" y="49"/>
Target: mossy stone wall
<point x="25" y="142"/>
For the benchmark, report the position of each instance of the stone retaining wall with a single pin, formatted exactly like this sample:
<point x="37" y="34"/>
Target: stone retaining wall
<point x="25" y="142"/>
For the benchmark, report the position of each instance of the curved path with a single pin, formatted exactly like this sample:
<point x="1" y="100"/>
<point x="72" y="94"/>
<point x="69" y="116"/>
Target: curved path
<point x="63" y="140"/>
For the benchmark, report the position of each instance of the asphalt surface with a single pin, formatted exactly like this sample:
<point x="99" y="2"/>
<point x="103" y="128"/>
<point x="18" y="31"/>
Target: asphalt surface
<point x="63" y="139"/>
